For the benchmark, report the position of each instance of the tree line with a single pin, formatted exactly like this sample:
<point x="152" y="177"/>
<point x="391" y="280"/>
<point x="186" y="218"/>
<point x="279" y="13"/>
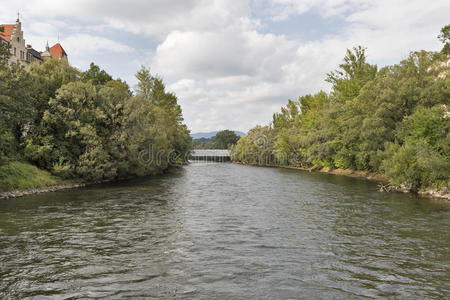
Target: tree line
<point x="222" y="140"/>
<point x="394" y="120"/>
<point x="87" y="124"/>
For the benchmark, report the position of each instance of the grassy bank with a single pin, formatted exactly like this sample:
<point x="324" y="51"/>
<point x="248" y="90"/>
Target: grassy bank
<point x="18" y="175"/>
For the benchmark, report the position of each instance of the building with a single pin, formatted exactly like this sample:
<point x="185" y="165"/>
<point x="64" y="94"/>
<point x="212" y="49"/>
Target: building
<point x="12" y="35"/>
<point x="58" y="52"/>
<point x="46" y="54"/>
<point x="34" y="55"/>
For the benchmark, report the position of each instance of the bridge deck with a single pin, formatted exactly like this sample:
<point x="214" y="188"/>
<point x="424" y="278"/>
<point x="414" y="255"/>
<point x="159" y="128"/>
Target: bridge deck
<point x="211" y="155"/>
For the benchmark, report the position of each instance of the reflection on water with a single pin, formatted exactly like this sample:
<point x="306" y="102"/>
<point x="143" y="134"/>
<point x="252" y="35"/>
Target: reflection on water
<point x="225" y="231"/>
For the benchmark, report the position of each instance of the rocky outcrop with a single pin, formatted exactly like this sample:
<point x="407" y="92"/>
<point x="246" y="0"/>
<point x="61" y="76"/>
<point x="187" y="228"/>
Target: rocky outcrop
<point x="442" y="194"/>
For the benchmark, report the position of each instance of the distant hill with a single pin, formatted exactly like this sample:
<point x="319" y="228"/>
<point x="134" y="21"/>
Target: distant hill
<point x="208" y="135"/>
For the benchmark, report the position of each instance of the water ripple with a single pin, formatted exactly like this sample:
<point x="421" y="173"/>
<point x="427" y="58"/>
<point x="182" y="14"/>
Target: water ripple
<point x="223" y="231"/>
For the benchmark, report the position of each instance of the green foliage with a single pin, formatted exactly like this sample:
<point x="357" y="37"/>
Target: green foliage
<point x="21" y="175"/>
<point x="415" y="165"/>
<point x="224" y="139"/>
<point x="428" y="125"/>
<point x="256" y="148"/>
<point x="352" y="75"/>
<point x="203" y="143"/>
<point x="16" y="106"/>
<point x="95" y="76"/>
<point x="4" y="55"/>
<point x="88" y="125"/>
<point x="395" y="121"/>
<point x="48" y="78"/>
<point x="444" y="37"/>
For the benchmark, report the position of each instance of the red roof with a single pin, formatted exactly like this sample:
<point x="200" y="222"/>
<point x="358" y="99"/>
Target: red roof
<point x="57" y="51"/>
<point x="7" y="32"/>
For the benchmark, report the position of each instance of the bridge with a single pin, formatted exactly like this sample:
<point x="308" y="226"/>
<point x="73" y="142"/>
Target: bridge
<point x="210" y="155"/>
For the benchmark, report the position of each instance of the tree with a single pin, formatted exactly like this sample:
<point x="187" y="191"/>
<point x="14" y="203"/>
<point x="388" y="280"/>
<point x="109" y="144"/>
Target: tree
<point x="16" y="106"/>
<point x="152" y="91"/>
<point x="95" y="75"/>
<point x="7" y="143"/>
<point x="256" y="148"/>
<point x="395" y="121"/>
<point x="48" y="78"/>
<point x="444" y="37"/>
<point x="4" y="55"/>
<point x="224" y="139"/>
<point x="352" y="75"/>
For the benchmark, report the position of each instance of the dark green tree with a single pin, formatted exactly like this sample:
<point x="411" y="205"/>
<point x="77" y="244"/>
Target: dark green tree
<point x="224" y="139"/>
<point x="444" y="37"/>
<point x="95" y="75"/>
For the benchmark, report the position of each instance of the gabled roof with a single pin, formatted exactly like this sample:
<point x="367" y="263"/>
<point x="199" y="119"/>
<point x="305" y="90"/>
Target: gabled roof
<point x="57" y="51"/>
<point x="34" y="52"/>
<point x="7" y="31"/>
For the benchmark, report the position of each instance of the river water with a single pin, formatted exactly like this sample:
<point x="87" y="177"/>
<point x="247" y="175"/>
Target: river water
<point x="225" y="231"/>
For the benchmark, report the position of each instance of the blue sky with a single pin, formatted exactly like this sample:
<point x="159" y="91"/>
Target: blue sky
<point x="231" y="63"/>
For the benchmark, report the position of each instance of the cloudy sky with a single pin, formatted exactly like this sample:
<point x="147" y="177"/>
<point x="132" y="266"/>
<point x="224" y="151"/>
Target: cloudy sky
<point x="232" y="63"/>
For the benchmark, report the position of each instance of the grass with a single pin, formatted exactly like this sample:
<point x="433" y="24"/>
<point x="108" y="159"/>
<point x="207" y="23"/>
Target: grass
<point x="18" y="175"/>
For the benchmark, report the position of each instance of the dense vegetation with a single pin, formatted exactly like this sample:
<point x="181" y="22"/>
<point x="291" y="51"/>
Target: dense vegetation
<point x="393" y="121"/>
<point x="222" y="140"/>
<point x="87" y="124"/>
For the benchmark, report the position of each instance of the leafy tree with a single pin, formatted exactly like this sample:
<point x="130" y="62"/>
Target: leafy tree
<point x="88" y="125"/>
<point x="152" y="90"/>
<point x="5" y="54"/>
<point x="224" y="139"/>
<point x="95" y="75"/>
<point x="16" y="105"/>
<point x="6" y="137"/>
<point x="444" y="37"/>
<point x="256" y="148"/>
<point x="203" y="143"/>
<point x="48" y="78"/>
<point x="352" y="75"/>
<point x="394" y="121"/>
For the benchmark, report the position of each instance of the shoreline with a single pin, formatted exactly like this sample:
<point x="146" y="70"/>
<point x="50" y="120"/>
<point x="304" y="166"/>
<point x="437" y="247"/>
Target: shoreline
<point x="371" y="176"/>
<point x="61" y="185"/>
<point x="43" y="189"/>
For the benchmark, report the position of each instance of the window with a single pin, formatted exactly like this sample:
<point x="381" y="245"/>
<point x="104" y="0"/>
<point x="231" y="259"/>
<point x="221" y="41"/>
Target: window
<point x="15" y="52"/>
<point x="18" y="39"/>
<point x="30" y="57"/>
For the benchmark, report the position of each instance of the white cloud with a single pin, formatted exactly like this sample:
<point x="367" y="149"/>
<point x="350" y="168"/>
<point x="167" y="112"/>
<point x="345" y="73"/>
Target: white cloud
<point x="283" y="9"/>
<point x="226" y="72"/>
<point x="85" y="44"/>
<point x="238" y="75"/>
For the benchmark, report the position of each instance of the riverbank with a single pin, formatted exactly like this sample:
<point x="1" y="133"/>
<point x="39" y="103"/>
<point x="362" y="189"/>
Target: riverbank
<point x="382" y="179"/>
<point x="18" y="179"/>
<point x="44" y="189"/>
<point x="40" y="181"/>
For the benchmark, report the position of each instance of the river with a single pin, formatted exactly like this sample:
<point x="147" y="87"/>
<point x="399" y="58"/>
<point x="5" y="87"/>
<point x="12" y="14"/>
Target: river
<point x="225" y="231"/>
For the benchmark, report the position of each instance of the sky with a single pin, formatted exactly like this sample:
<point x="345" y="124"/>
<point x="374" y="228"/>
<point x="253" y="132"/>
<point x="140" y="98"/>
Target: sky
<point x="231" y="63"/>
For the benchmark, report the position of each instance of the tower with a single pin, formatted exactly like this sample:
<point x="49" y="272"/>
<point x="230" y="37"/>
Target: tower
<point x="46" y="54"/>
